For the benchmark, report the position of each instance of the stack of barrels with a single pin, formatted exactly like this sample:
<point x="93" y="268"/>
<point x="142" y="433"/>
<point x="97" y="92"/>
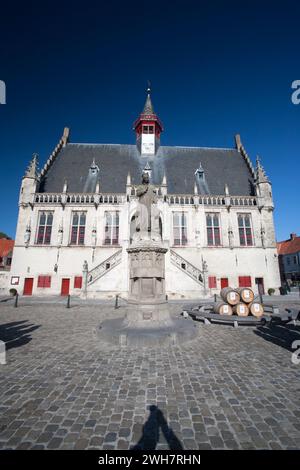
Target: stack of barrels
<point x="238" y="301"/>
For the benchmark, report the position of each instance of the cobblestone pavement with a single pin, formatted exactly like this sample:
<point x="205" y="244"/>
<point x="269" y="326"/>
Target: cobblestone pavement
<point x="62" y="389"/>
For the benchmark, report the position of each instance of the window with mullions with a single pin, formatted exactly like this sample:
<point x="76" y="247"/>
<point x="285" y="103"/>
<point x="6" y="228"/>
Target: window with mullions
<point x="44" y="228"/>
<point x="111" y="235"/>
<point x="148" y="129"/>
<point x="213" y="229"/>
<point x="179" y="228"/>
<point x="78" y="228"/>
<point x="245" y="230"/>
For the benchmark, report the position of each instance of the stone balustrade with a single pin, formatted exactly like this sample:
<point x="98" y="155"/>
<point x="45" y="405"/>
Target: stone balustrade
<point x="119" y="198"/>
<point x="79" y="198"/>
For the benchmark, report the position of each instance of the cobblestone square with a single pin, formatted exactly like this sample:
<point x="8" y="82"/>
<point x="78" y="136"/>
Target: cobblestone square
<point x="231" y="388"/>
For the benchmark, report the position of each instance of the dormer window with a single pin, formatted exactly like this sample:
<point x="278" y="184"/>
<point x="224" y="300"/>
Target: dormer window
<point x="199" y="173"/>
<point x="94" y="169"/>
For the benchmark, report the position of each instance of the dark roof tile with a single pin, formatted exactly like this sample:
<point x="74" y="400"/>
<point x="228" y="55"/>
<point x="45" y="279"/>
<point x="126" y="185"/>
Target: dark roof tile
<point x="220" y="166"/>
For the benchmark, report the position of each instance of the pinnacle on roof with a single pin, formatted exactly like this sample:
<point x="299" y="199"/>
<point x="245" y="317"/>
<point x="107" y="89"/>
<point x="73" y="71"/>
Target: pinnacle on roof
<point x="260" y="173"/>
<point x="32" y="170"/>
<point x="148" y="108"/>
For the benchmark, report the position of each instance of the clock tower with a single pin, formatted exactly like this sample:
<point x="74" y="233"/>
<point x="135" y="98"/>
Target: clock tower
<point x="148" y="128"/>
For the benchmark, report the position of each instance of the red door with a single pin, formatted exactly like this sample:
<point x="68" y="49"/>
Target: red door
<point x="65" y="286"/>
<point x="224" y="282"/>
<point x="28" y="285"/>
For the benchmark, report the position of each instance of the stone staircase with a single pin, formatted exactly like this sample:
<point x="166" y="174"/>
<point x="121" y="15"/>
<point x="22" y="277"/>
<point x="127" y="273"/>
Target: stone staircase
<point x="188" y="268"/>
<point x="104" y="267"/>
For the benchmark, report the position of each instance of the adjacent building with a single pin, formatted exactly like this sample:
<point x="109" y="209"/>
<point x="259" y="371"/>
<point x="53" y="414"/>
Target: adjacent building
<point x="6" y="253"/>
<point x="289" y="259"/>
<point x="76" y="217"/>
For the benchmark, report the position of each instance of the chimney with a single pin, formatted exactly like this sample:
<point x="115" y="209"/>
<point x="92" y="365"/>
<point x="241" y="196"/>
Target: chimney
<point x="293" y="236"/>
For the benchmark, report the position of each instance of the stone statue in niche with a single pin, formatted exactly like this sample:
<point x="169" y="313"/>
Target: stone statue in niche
<point x="147" y="222"/>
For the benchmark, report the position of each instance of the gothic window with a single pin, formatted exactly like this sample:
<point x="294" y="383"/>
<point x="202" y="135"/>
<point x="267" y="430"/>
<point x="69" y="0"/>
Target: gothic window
<point x="213" y="229"/>
<point x="44" y="228"/>
<point x="179" y="228"/>
<point x="78" y="228"/>
<point x="111" y="236"/>
<point x="245" y="230"/>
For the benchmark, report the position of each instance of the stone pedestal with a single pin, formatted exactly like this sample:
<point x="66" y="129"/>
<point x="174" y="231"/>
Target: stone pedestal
<point x="148" y="321"/>
<point x="147" y="326"/>
<point x="147" y="273"/>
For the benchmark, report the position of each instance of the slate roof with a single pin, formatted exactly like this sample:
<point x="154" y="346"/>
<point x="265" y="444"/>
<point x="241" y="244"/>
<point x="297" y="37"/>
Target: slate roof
<point x="221" y="166"/>
<point x="148" y="108"/>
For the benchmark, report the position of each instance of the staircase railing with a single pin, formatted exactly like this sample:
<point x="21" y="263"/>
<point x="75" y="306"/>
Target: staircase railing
<point x="104" y="267"/>
<point x="187" y="267"/>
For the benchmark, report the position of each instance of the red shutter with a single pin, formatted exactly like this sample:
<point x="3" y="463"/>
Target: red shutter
<point x="77" y="282"/>
<point x="44" y="281"/>
<point x="245" y="281"/>
<point x="224" y="282"/>
<point x="212" y="282"/>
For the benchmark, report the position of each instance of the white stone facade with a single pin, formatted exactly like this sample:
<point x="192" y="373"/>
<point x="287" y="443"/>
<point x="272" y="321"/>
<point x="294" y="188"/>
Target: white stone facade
<point x="61" y="260"/>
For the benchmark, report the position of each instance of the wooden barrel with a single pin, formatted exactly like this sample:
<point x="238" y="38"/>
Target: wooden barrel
<point x="229" y="295"/>
<point x="223" y="308"/>
<point x="241" y="309"/>
<point x="256" y="308"/>
<point x="246" y="294"/>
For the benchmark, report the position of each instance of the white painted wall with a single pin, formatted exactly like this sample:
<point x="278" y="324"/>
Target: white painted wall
<point x="257" y="261"/>
<point x="148" y="144"/>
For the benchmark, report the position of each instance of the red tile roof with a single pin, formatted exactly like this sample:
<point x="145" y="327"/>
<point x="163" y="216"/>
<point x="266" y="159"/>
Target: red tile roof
<point x="288" y="247"/>
<point x="6" y="246"/>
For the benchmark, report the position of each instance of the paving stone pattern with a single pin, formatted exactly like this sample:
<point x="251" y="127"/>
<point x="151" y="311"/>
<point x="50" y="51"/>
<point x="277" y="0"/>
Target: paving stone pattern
<point x="62" y="389"/>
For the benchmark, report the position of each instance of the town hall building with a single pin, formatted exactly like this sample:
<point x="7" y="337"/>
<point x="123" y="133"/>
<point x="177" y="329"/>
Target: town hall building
<point x="77" y="217"/>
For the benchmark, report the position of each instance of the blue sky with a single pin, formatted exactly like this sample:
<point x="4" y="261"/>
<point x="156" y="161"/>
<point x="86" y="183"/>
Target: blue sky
<point x="217" y="68"/>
